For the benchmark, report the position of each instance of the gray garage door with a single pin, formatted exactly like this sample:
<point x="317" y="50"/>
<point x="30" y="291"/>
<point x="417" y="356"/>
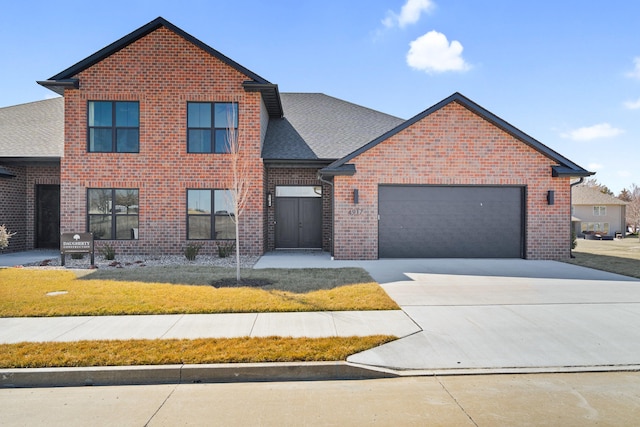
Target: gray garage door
<point x="450" y="222"/>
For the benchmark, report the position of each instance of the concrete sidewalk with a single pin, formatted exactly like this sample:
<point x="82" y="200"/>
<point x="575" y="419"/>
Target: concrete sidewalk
<point x="27" y="257"/>
<point x="192" y="326"/>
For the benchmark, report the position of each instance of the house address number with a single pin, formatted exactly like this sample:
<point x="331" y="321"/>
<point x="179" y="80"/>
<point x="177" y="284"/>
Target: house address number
<point x="355" y="212"/>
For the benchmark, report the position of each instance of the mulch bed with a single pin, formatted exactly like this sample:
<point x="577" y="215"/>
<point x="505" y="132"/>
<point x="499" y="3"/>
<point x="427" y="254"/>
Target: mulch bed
<point x="231" y="282"/>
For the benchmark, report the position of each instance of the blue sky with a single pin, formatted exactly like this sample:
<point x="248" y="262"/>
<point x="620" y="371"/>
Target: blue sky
<point x="565" y="72"/>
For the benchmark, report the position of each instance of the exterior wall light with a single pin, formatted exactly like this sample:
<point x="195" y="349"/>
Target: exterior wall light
<point x="355" y="196"/>
<point x="550" y="197"/>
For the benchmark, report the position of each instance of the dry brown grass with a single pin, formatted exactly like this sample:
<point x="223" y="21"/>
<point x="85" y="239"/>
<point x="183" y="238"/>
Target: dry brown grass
<point x="23" y="292"/>
<point x="200" y="351"/>
<point x="615" y="256"/>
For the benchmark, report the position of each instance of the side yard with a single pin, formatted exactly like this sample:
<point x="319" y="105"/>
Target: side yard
<point x="615" y="256"/>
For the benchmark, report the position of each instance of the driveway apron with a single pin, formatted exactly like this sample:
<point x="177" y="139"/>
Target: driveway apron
<point x="511" y="315"/>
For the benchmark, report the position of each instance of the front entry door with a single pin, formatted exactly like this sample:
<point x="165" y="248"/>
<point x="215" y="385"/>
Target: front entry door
<point x="298" y="222"/>
<point x="48" y="216"/>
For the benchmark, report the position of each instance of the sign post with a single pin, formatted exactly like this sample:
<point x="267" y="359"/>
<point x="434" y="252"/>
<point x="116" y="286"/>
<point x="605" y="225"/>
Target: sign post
<point x="76" y="243"/>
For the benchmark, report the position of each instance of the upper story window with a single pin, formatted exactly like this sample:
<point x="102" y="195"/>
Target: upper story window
<point x="114" y="127"/>
<point x="209" y="124"/>
<point x="599" y="211"/>
<point x="113" y="213"/>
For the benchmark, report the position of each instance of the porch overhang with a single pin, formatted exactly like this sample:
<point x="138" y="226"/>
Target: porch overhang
<point x="342" y="170"/>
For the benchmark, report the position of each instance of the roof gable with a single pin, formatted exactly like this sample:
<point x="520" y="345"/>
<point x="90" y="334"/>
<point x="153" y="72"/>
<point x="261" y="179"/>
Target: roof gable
<point x="565" y="166"/>
<point x="66" y="78"/>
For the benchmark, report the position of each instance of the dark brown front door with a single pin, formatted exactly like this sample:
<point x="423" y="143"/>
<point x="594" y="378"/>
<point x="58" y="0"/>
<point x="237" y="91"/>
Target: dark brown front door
<point x="48" y="216"/>
<point x="298" y="222"/>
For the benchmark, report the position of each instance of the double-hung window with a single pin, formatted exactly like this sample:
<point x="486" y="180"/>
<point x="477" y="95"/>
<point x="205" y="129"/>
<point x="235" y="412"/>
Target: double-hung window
<point x="114" y="127"/>
<point x="210" y="215"/>
<point x="599" y="211"/>
<point x="209" y="125"/>
<point x="113" y="213"/>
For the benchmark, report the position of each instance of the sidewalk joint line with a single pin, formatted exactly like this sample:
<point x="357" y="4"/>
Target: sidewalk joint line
<point x="162" y="404"/>
<point x="455" y="400"/>
<point x="180" y="317"/>
<point x="55" y="339"/>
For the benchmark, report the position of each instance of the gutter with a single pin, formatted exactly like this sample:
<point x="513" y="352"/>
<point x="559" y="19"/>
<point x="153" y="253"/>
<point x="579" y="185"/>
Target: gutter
<point x="578" y="182"/>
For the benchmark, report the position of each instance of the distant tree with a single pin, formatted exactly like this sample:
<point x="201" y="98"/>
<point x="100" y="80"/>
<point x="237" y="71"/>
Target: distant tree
<point x="633" y="207"/>
<point x="593" y="183"/>
<point x="625" y="195"/>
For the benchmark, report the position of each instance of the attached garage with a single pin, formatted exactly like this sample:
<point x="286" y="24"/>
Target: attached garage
<point x="454" y="181"/>
<point x="419" y="221"/>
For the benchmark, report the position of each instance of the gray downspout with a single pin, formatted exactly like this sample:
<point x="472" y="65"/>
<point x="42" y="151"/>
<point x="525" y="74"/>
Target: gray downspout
<point x="580" y="181"/>
<point x="321" y="179"/>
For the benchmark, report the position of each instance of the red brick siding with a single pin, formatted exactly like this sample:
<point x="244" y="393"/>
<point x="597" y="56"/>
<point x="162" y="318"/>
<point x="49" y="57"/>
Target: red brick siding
<point x="452" y="146"/>
<point x="18" y="202"/>
<point x="163" y="72"/>
<point x="297" y="176"/>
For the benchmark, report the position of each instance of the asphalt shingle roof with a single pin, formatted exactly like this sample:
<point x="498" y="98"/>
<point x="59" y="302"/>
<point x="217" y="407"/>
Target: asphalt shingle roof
<point x="35" y="129"/>
<point x="319" y="127"/>
<point x="583" y="195"/>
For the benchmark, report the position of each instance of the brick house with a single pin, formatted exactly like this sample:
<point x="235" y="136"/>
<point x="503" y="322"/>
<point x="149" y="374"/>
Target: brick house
<point x="146" y="170"/>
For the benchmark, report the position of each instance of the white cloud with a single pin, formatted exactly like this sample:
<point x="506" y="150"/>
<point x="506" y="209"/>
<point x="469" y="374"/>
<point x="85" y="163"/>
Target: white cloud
<point x="594" y="166"/>
<point x="409" y="13"/>
<point x="636" y="71"/>
<point x="633" y="105"/>
<point x="433" y="53"/>
<point x="602" y="130"/>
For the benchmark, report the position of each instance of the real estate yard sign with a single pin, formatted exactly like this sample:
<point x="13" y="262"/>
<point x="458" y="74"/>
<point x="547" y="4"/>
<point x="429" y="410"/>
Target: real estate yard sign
<point x="76" y="243"/>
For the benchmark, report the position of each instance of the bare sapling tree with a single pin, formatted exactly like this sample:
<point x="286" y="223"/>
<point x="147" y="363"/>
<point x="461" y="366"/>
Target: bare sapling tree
<point x="239" y="182"/>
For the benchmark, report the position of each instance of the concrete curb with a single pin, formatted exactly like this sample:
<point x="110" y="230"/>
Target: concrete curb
<point x="187" y="374"/>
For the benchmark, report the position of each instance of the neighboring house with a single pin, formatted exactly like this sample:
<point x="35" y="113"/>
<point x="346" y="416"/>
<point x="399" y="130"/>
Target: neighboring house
<point x="145" y="167"/>
<point x="597" y="213"/>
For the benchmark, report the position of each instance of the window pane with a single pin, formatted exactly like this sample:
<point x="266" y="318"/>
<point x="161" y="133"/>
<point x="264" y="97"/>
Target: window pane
<point x="126" y="202"/>
<point x="199" y="141"/>
<point x="199" y="227"/>
<point x="225" y="228"/>
<point x="226" y="115"/>
<point x="222" y="141"/>
<point x="100" y="140"/>
<point x="100" y="226"/>
<point x="223" y="203"/>
<point x="100" y="113"/>
<point x="198" y="115"/>
<point x="126" y="227"/>
<point x="127" y="114"/>
<point x="199" y="202"/>
<point x="127" y="140"/>
<point x="99" y="201"/>
<point x="298" y="191"/>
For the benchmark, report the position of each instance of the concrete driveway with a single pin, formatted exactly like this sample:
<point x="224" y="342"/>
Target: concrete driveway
<point x="509" y="316"/>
